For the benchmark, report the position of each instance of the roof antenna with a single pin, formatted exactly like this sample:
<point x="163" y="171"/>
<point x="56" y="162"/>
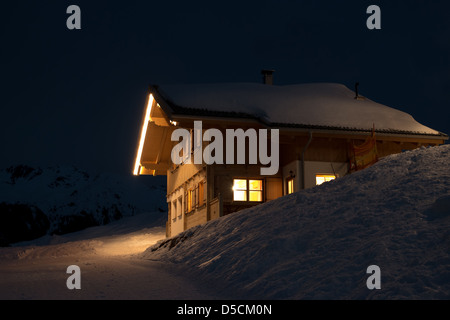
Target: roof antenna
<point x="356" y="90"/>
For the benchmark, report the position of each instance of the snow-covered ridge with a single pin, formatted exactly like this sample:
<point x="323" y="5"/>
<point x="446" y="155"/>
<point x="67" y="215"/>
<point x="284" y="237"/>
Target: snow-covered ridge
<point x="318" y="243"/>
<point x="314" y="104"/>
<point x="71" y="199"/>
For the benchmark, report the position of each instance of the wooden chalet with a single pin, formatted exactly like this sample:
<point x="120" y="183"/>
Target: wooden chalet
<point x="326" y="131"/>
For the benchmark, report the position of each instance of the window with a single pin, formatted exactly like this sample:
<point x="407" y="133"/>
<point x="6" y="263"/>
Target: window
<point x="201" y="193"/>
<point x="255" y="191"/>
<point x="290" y="185"/>
<point x="179" y="206"/>
<point x="247" y="190"/>
<point x="240" y="190"/>
<point x="174" y="209"/>
<point x="189" y="200"/>
<point x="321" y="178"/>
<point x="195" y="197"/>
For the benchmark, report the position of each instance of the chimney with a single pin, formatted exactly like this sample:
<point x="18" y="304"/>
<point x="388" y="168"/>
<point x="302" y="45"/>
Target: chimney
<point x="356" y="90"/>
<point x="267" y="76"/>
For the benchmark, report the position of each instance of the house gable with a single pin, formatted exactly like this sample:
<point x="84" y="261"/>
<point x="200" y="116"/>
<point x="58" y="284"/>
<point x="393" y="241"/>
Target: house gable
<point x="155" y="145"/>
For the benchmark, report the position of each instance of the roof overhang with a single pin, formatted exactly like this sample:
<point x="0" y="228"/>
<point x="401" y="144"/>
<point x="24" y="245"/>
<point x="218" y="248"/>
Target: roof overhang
<point x="162" y="117"/>
<point x="228" y="121"/>
<point x="153" y="156"/>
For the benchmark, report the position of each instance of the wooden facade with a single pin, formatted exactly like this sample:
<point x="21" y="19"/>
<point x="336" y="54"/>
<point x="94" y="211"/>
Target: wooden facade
<point x="197" y="193"/>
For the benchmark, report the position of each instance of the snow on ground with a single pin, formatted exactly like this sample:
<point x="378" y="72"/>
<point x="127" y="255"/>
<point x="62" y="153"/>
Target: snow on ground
<point x="314" y="244"/>
<point x="109" y="263"/>
<point x="318" y="243"/>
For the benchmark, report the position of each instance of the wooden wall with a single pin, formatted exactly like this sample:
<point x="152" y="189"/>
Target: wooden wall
<point x="195" y="218"/>
<point x="325" y="154"/>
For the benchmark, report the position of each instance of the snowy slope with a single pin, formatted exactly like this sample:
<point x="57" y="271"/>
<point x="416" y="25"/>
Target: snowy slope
<point x="316" y="104"/>
<point x="72" y="199"/>
<point x="318" y="243"/>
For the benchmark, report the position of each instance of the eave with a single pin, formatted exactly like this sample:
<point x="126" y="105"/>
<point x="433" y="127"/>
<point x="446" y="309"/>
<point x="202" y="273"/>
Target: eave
<point x="154" y="150"/>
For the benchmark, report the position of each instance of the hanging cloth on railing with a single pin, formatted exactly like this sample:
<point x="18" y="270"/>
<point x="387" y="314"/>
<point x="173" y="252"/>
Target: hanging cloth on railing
<point x="365" y="154"/>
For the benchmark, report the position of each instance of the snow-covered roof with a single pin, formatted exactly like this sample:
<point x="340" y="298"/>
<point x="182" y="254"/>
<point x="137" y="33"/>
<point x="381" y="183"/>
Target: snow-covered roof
<point x="327" y="105"/>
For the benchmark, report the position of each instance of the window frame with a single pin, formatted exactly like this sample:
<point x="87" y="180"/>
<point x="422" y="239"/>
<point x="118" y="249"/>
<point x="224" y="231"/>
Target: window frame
<point x="179" y="206"/>
<point x="324" y="175"/>
<point x="289" y="181"/>
<point x="201" y="192"/>
<point x="247" y="189"/>
<point x="189" y="203"/>
<point x="173" y="211"/>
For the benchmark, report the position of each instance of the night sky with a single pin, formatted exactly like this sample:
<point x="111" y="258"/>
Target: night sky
<point x="77" y="96"/>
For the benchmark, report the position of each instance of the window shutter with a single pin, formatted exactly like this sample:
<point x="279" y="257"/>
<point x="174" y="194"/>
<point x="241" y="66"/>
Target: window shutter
<point x="201" y="194"/>
<point x="195" y="201"/>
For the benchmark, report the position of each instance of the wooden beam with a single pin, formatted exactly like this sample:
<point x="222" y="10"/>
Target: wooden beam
<point x="156" y="166"/>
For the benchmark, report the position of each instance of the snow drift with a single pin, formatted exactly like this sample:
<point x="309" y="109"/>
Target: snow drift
<point x="318" y="243"/>
<point x="63" y="199"/>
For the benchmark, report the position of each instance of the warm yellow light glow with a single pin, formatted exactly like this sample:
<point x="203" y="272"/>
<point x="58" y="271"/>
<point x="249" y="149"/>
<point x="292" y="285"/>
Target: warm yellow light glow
<point x="201" y="193"/>
<point x="147" y="118"/>
<point x="321" y="178"/>
<point x="290" y="186"/>
<point x="255" y="184"/>
<point x="247" y="190"/>
<point x="174" y="123"/>
<point x="240" y="190"/>
<point x="190" y="200"/>
<point x="239" y="195"/>
<point x="130" y="243"/>
<point x="255" y="190"/>
<point x="240" y="184"/>
<point x="255" y="195"/>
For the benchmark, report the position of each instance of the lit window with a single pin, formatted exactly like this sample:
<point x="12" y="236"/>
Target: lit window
<point x="240" y="190"/>
<point x="201" y="194"/>
<point x="248" y="190"/>
<point x="255" y="190"/>
<point x="189" y="202"/>
<point x="321" y="178"/>
<point x="290" y="186"/>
